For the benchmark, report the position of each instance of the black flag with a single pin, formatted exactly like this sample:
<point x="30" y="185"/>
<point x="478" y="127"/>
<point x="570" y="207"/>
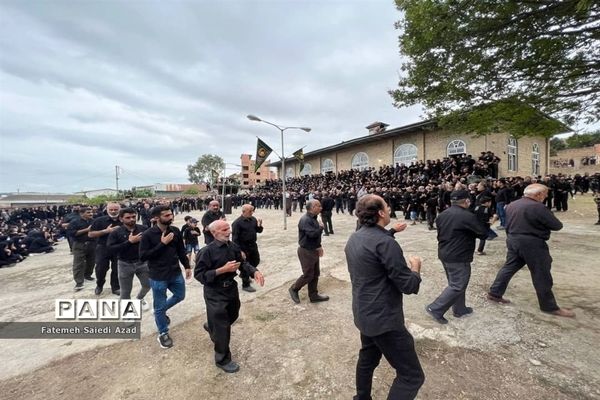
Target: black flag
<point x="262" y="152"/>
<point x="299" y="155"/>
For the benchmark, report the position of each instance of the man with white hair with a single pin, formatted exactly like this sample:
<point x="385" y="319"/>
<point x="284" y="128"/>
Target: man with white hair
<point x="528" y="227"/>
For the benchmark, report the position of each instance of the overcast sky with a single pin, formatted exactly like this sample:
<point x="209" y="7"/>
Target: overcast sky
<point x="150" y="86"/>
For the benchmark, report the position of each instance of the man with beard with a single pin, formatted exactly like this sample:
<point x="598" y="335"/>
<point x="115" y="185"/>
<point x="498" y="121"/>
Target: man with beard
<point x="213" y="214"/>
<point x="162" y="246"/>
<point x="83" y="247"/>
<point x="100" y="229"/>
<point x="216" y="269"/>
<point x="124" y="242"/>
<point x="245" y="229"/>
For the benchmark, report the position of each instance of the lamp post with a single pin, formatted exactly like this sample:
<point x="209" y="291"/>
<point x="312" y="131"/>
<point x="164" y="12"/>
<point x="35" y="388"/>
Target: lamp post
<point x="281" y="129"/>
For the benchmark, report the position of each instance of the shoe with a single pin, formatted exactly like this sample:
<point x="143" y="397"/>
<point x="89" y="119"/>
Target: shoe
<point x="497" y="299"/>
<point x="145" y="305"/>
<point x="563" y="312"/>
<point x="326" y="234"/>
<point x="98" y="290"/>
<point x="117" y="292"/>
<point x="331" y="232"/>
<point x="78" y="287"/>
<point x="248" y="289"/>
<point x="468" y="311"/>
<point x="165" y="341"/>
<point x="597" y="223"/>
<point x="294" y="295"/>
<point x="206" y="328"/>
<point x="231" y="367"/>
<point x="439" y="320"/>
<point x="481" y="253"/>
<point x="500" y="228"/>
<point x="89" y="278"/>
<point x="319" y="298"/>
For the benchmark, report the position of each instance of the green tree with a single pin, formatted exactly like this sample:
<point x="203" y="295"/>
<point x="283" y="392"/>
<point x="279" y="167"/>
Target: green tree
<point x="557" y="144"/>
<point x="191" y="191"/>
<point x="577" y="141"/>
<point x="491" y="56"/>
<point x="201" y="171"/>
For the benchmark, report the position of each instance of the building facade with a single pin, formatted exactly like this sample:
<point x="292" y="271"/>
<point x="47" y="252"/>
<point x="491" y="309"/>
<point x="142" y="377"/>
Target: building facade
<point x="249" y="178"/>
<point x="526" y="156"/>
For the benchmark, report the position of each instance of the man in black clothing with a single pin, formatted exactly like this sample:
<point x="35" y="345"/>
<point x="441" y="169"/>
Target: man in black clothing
<point x="327" y="204"/>
<point x="124" y="242"/>
<point x="529" y="224"/>
<point x="457" y="229"/>
<point x="162" y="246"/>
<point x="216" y="269"/>
<point x="212" y="214"/>
<point x="244" y="230"/>
<point x="83" y="247"/>
<point x="309" y="253"/>
<point x="100" y="229"/>
<point x="378" y="271"/>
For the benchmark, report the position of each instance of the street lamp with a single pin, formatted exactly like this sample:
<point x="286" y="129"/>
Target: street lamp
<point x="281" y="129"/>
<point x="224" y="179"/>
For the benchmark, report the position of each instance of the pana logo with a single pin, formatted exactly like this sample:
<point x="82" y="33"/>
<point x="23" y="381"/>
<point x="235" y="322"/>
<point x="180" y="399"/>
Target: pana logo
<point x="98" y="309"/>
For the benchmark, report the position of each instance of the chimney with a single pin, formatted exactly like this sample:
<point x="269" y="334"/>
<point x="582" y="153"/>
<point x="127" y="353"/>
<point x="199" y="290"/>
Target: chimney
<point x="376" y="128"/>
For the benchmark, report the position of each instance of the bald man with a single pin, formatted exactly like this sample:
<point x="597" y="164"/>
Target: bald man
<point x="105" y="260"/>
<point x="216" y="269"/>
<point x="244" y="230"/>
<point x="528" y="227"/>
<point x="212" y="214"/>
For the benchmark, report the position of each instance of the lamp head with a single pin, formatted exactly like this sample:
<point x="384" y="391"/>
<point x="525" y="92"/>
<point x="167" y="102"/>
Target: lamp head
<point x="253" y="118"/>
<point x="306" y="129"/>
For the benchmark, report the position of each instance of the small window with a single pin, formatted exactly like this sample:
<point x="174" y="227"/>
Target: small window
<point x="258" y="181"/>
<point x="360" y="161"/>
<point x="258" y="173"/>
<point x="456" y="147"/>
<point x="327" y="166"/>
<point x="405" y="154"/>
<point x="245" y="168"/>
<point x="245" y="175"/>
<point x="535" y="159"/>
<point x="511" y="150"/>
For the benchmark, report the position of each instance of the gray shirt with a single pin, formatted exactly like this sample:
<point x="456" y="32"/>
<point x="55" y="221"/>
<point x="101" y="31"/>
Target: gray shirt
<point x="531" y="218"/>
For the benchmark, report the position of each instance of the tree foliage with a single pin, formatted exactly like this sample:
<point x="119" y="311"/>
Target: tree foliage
<point x="575" y="141"/>
<point x="488" y="55"/>
<point x="201" y="171"/>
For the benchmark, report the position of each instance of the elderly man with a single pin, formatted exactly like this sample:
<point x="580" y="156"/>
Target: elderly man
<point x="84" y="247"/>
<point x="216" y="269"/>
<point x="244" y="230"/>
<point x="212" y="214"/>
<point x="528" y="227"/>
<point x="105" y="260"/>
<point x="379" y="277"/>
<point x="457" y="229"/>
<point x="309" y="253"/>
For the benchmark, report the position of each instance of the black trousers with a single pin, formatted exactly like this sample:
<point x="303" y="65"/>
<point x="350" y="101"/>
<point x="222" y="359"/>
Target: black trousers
<point x="104" y="262"/>
<point x="222" y="310"/>
<point x="398" y="347"/>
<point x="458" y="275"/>
<point x="326" y="217"/>
<point x="561" y="201"/>
<point x="253" y="257"/>
<point x="535" y="253"/>
<point x="309" y="261"/>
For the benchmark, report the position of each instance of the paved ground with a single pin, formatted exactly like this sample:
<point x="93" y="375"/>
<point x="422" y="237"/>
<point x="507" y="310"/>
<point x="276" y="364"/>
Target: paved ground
<point x="308" y="351"/>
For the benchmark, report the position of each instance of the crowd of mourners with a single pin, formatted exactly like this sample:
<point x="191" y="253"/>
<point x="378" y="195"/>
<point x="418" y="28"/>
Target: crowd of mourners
<point x="418" y="191"/>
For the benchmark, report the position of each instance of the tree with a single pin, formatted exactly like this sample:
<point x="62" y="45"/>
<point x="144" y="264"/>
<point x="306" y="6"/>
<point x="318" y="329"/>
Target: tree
<point x="201" y="171"/>
<point x="557" y="144"/>
<point x="489" y="56"/>
<point x="577" y="141"/>
<point x="191" y="191"/>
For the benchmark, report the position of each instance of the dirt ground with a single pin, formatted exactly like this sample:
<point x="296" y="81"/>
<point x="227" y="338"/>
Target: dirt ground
<point x="309" y="351"/>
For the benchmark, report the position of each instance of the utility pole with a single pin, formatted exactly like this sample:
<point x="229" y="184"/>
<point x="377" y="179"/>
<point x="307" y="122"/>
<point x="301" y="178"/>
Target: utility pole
<point x="117" y="178"/>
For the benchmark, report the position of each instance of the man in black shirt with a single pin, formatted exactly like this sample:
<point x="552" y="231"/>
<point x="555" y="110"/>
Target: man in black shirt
<point x="309" y="252"/>
<point x="162" y="246"/>
<point x="124" y="242"/>
<point x="216" y="269"/>
<point x="457" y="229"/>
<point x="101" y="228"/>
<point x="244" y="230"/>
<point x="378" y="271"/>
<point x="213" y="214"/>
<point x="327" y="204"/>
<point x="83" y="247"/>
<point x="528" y="227"/>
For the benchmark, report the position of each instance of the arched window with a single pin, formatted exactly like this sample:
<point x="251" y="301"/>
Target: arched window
<point x="327" y="166"/>
<point x="535" y="159"/>
<point x="511" y="151"/>
<point x="405" y="154"/>
<point x="289" y="173"/>
<point x="360" y="161"/>
<point x="456" y="147"/>
<point x="307" y="170"/>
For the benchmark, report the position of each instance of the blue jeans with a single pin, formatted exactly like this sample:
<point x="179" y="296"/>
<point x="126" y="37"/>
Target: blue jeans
<point x="161" y="304"/>
<point x="501" y="213"/>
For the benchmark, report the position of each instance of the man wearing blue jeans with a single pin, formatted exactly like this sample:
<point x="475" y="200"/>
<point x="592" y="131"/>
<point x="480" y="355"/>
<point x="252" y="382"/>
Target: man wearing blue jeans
<point x="162" y="246"/>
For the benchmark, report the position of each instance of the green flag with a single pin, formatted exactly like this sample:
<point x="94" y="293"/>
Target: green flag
<point x="299" y="155"/>
<point x="262" y="152"/>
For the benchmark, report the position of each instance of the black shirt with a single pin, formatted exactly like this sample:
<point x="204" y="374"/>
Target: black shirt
<point x="101" y="223"/>
<point x="208" y="218"/>
<point x="457" y="229"/>
<point x="379" y="276"/>
<point x="244" y="232"/>
<point x="532" y="218"/>
<point x="118" y="243"/>
<point x="189" y="237"/>
<point x="214" y="256"/>
<point x="309" y="232"/>
<point x="163" y="260"/>
<point x="76" y="225"/>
